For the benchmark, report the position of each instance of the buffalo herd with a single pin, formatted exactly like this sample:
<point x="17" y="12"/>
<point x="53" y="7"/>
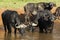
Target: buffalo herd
<point x="36" y="15"/>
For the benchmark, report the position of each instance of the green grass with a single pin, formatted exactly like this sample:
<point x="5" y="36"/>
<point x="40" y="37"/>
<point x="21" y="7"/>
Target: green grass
<point x="21" y="3"/>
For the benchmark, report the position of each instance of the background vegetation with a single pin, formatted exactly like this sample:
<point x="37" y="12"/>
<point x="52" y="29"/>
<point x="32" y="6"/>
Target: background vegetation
<point x="21" y="3"/>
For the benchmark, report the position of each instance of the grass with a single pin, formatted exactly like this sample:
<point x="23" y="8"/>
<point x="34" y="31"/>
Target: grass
<point x="21" y="3"/>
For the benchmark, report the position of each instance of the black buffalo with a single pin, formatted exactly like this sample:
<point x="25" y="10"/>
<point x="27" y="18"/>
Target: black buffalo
<point x="30" y="8"/>
<point x="46" y="21"/>
<point x="12" y="19"/>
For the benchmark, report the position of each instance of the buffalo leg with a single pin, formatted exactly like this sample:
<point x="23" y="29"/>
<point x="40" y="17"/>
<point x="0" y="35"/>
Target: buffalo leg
<point x="15" y="29"/>
<point x="31" y="28"/>
<point x="40" y="29"/>
<point x="5" y="28"/>
<point x="51" y="29"/>
<point x="46" y="30"/>
<point x="9" y="28"/>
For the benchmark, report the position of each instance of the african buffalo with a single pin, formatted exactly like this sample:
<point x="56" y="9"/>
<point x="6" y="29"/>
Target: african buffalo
<point x="46" y="21"/>
<point x="12" y="19"/>
<point x="43" y="19"/>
